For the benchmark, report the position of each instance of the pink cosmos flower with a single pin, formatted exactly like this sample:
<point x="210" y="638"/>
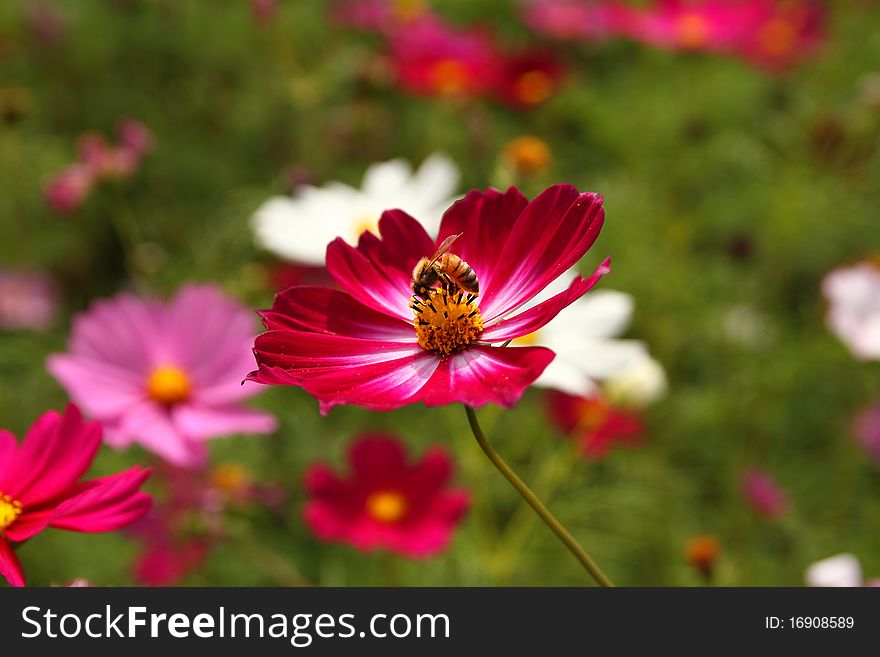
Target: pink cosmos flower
<point x="164" y="375"/>
<point x="106" y="161"/>
<point x="432" y="59"/>
<point x="867" y="430"/>
<point x="68" y="190"/>
<point x="853" y="294"/>
<point x="386" y="502"/>
<point x="40" y="486"/>
<point x="763" y="494"/>
<point x="28" y="300"/>
<point x="375" y="344"/>
<point x="569" y="19"/>
<point x="384" y="16"/>
<point x="785" y="31"/>
<point x="593" y="423"/>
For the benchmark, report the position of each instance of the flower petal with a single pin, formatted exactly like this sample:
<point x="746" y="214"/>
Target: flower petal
<point x="378" y="461"/>
<point x="381" y="375"/>
<point x="57" y="450"/>
<point x="550" y="235"/>
<point x="323" y="310"/>
<point x="107" y="504"/>
<point x="378" y="272"/>
<point x="101" y="388"/>
<point x="10" y="566"/>
<point x="153" y="428"/>
<point x="201" y="422"/>
<point x="481" y="374"/>
<point x="531" y="320"/>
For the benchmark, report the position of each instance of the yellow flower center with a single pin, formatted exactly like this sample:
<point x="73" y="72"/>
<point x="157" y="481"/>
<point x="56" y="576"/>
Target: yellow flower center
<point x="449" y="77"/>
<point x="527" y="154"/>
<point x="168" y="385"/>
<point x="386" y="506"/>
<point x="230" y="477"/>
<point x="10" y="509"/>
<point x="534" y="87"/>
<point x="447" y="321"/>
<point x="777" y="37"/>
<point x="693" y="30"/>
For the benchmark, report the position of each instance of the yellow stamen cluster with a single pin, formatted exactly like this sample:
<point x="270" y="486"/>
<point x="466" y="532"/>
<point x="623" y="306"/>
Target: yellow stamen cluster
<point x="527" y="154"/>
<point x="168" y="385"/>
<point x="386" y="506"/>
<point x="10" y="509"/>
<point x="230" y="478"/>
<point x="448" y="321"/>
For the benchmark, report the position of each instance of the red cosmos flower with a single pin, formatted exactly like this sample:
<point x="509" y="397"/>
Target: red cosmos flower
<point x="386" y="502"/>
<point x="593" y="423"/>
<point x="374" y="344"/>
<point x="40" y="487"/>
<point x="529" y="78"/>
<point x="432" y="59"/>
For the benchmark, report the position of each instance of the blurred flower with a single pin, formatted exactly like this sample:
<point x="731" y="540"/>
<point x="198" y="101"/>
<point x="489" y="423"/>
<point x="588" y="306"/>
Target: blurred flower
<point x="854" y="311"/>
<point x="134" y="137"/>
<point x="841" y="570"/>
<point x="68" y="190"/>
<point x="300" y="228"/>
<point x="98" y="161"/>
<point x="702" y="553"/>
<point x="593" y="423"/>
<point x="190" y="518"/>
<point x="386" y="502"/>
<point x="867" y="431"/>
<point x="638" y="385"/>
<point x="432" y="59"/>
<point x="527" y="154"/>
<point x="772" y="34"/>
<point x="164" y="375"/>
<point x="28" y="300"/>
<point x="530" y="78"/>
<point x="582" y="339"/>
<point x="763" y="494"/>
<point x="375" y="344"/>
<point x="47" y="22"/>
<point x="569" y="19"/>
<point x="264" y="11"/>
<point x="40" y="487"/>
<point x="383" y="16"/>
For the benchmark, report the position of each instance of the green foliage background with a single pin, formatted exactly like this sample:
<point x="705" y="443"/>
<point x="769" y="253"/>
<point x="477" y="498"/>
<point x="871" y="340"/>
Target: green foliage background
<point x="726" y="190"/>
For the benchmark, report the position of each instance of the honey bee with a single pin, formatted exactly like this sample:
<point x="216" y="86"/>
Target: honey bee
<point x="446" y="266"/>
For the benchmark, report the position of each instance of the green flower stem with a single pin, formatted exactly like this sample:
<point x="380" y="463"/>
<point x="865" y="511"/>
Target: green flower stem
<point x="543" y="512"/>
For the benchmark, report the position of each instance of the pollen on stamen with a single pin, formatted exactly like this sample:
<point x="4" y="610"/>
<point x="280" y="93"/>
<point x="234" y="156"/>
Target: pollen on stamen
<point x="10" y="509"/>
<point x="448" y="321"/>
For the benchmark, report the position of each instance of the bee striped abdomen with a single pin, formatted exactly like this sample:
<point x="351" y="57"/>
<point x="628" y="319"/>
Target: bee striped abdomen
<point x="459" y="272"/>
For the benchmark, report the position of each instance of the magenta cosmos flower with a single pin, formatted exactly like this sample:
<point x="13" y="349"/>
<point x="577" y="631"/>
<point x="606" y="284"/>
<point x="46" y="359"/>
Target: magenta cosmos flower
<point x="164" y="375"/>
<point x="375" y="344"/>
<point x="386" y="502"/>
<point x="764" y="495"/>
<point x="40" y="487"/>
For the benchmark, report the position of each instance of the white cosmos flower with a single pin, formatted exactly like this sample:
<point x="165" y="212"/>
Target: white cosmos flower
<point x="839" y="570"/>
<point x="300" y="227"/>
<point x="587" y="351"/>
<point x="854" y="312"/>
